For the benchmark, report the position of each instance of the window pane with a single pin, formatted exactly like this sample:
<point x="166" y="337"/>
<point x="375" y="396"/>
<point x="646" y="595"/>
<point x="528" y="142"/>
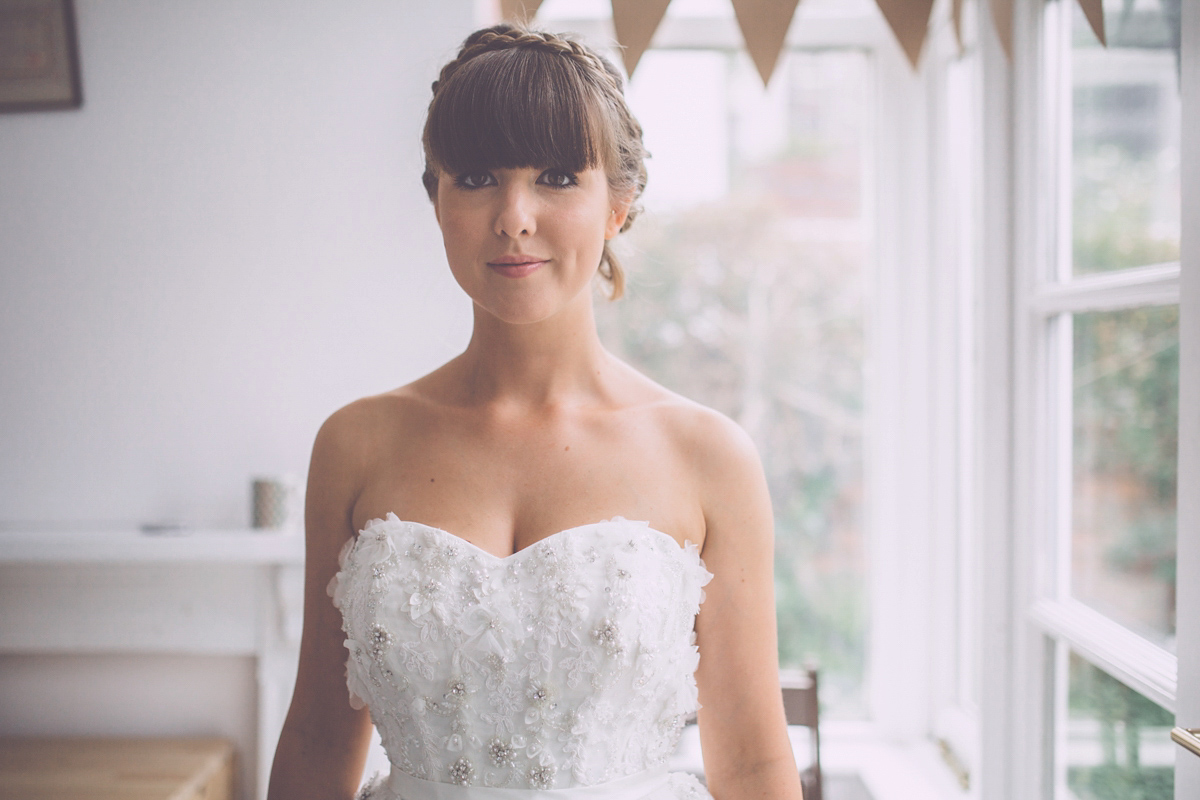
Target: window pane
<point x="745" y="293"/>
<point x="1118" y="743"/>
<point x="1126" y="137"/>
<point x="1126" y="390"/>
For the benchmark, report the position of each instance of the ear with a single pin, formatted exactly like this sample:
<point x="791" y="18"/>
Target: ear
<point x="616" y="218"/>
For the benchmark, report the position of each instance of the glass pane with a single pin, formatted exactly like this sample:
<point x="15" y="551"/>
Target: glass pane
<point x="1125" y="135"/>
<point x="745" y="293"/>
<point x="1118" y="743"/>
<point x="1126" y="392"/>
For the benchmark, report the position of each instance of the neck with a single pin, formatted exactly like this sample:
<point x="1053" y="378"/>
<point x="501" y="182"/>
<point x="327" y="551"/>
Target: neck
<point x="535" y="364"/>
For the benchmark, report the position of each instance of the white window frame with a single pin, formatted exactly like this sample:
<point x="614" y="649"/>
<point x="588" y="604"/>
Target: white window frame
<point x="1028" y="603"/>
<point x="955" y="75"/>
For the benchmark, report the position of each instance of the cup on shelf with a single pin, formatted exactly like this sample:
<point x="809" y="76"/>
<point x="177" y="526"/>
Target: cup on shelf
<point x="275" y="502"/>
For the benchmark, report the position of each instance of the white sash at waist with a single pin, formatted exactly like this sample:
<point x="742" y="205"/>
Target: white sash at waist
<point x="631" y="787"/>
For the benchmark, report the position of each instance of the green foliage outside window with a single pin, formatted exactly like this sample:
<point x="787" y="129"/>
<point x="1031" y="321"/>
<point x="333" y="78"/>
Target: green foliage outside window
<point x="1123" y="718"/>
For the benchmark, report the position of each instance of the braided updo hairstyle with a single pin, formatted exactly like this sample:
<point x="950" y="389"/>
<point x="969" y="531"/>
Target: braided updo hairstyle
<point x="515" y="97"/>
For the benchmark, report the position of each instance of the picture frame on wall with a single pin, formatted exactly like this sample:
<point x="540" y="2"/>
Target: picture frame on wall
<point x="39" y="56"/>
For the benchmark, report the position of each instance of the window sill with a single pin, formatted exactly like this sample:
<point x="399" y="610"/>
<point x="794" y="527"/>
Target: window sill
<point x="889" y="770"/>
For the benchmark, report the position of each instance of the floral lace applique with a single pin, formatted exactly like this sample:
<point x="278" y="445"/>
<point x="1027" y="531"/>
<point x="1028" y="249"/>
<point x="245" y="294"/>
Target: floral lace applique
<point x="570" y="663"/>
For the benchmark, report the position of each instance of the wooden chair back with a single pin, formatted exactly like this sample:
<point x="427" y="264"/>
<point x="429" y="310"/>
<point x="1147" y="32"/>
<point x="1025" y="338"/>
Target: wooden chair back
<point x="801" y="706"/>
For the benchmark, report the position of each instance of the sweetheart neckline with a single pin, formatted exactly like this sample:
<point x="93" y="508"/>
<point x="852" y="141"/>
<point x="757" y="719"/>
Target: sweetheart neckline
<point x="391" y="518"/>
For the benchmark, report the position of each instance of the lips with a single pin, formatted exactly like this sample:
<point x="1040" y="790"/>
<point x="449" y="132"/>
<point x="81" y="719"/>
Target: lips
<point x="516" y="266"/>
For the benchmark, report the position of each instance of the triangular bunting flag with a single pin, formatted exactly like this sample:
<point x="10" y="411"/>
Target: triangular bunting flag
<point x="956" y="17"/>
<point x="909" y="20"/>
<point x="518" y="10"/>
<point x="635" y="22"/>
<point x="1002" y="18"/>
<point x="1094" y="11"/>
<point x="764" y="25"/>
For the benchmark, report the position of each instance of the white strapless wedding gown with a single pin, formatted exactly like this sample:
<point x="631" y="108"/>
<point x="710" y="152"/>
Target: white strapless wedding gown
<point x="562" y="672"/>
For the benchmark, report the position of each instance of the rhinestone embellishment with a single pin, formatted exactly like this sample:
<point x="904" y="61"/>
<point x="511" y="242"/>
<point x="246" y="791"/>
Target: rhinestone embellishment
<point x="606" y="635"/>
<point x="380" y="640"/>
<point x="539" y="695"/>
<point x="461" y="772"/>
<point x="501" y="752"/>
<point x="541" y="777"/>
<point x="456" y="692"/>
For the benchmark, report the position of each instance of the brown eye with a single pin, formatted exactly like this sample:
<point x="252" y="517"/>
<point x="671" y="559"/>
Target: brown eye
<point x="558" y="178"/>
<point x="474" y="180"/>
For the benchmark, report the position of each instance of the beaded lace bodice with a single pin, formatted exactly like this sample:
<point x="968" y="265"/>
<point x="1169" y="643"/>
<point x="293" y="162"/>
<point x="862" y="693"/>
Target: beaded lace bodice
<point x="570" y="663"/>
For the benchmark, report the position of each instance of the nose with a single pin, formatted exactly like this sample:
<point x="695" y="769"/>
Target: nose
<point x="515" y="215"/>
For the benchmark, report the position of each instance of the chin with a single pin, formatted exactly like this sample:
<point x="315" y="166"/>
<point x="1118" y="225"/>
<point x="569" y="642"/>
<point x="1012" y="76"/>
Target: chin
<point x="527" y="308"/>
<point x="521" y="313"/>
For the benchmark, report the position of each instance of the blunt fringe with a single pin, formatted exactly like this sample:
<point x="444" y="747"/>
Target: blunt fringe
<point x="516" y="98"/>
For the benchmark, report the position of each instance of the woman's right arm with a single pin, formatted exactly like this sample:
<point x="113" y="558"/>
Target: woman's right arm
<point x="323" y="746"/>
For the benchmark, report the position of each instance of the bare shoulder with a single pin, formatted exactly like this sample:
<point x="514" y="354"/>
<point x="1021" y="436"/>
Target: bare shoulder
<point x="727" y="473"/>
<point x="714" y="446"/>
<point x="714" y="443"/>
<point x="345" y="439"/>
<point x="718" y="460"/>
<point x="349" y="448"/>
<point x="354" y="433"/>
<point x="700" y="430"/>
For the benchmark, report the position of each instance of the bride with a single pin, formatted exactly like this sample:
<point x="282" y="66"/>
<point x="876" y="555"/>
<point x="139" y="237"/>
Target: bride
<point x="517" y="545"/>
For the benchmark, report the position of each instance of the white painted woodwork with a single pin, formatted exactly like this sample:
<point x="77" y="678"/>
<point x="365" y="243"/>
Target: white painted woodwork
<point x="1044" y="621"/>
<point x="248" y="546"/>
<point x="216" y="594"/>
<point x="1187" y="701"/>
<point x="1112" y="647"/>
<point x="994" y="421"/>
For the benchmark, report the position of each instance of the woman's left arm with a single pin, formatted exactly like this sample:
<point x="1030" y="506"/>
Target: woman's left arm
<point x="743" y="731"/>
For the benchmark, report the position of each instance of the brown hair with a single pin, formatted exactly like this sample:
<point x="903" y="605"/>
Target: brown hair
<point x="515" y="97"/>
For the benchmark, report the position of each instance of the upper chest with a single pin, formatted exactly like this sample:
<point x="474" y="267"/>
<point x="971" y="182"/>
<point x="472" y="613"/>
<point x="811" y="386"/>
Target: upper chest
<point x="503" y="484"/>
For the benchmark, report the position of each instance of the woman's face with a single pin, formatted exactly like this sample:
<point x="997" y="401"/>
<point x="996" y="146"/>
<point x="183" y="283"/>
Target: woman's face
<point x="525" y="242"/>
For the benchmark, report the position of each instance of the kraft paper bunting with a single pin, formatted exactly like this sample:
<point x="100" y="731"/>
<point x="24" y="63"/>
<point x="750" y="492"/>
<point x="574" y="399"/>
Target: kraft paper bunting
<point x="909" y="21"/>
<point x="1094" y="11"/>
<point x="764" y="25"/>
<point x="1002" y="20"/>
<point x="518" y="10"/>
<point x="634" y="22"/>
<point x="956" y="18"/>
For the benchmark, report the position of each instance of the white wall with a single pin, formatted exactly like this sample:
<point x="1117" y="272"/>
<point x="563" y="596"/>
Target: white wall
<point x="228" y="241"/>
<point x="225" y="244"/>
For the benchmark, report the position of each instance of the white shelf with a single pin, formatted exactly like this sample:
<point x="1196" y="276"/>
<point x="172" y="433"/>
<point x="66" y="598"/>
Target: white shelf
<point x="227" y="546"/>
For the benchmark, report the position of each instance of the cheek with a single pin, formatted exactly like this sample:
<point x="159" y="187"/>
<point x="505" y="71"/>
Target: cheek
<point x="460" y="229"/>
<point x="460" y="246"/>
<point x="588" y="225"/>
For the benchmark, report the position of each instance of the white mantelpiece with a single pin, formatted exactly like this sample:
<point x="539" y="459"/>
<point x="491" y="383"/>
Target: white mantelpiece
<point x="228" y="593"/>
<point x="249" y="546"/>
